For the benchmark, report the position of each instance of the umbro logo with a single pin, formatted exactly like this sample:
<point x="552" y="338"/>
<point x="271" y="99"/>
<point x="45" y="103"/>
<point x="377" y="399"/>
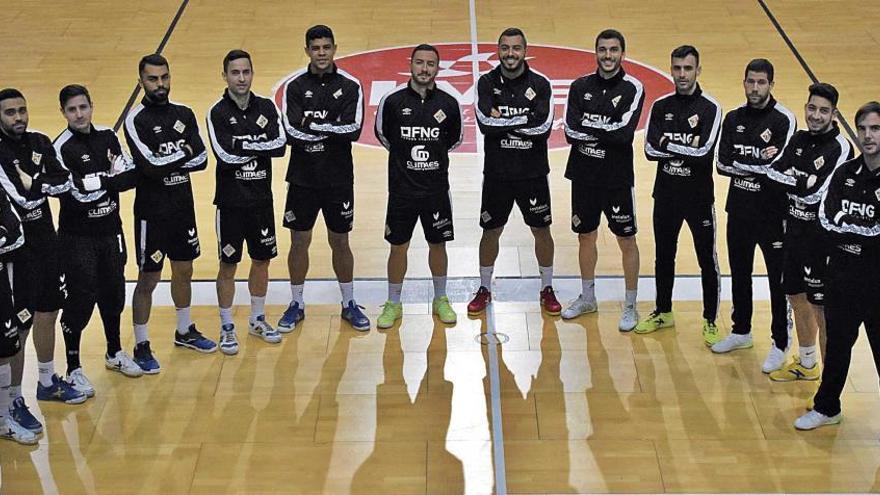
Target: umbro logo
<point x="233" y="120"/>
<point x="406" y="112"/>
<point x="496" y="91"/>
<point x="157" y="129"/>
<point x="798" y="151"/>
<point x="588" y="96"/>
<point x="533" y="201"/>
<point x="740" y="129"/>
<point x="777" y="244"/>
<point x="850" y="182"/>
<point x="668" y="117"/>
<point x="85" y="158"/>
<point x="308" y="94"/>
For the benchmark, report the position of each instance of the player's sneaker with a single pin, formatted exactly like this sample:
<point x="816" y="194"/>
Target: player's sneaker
<point x="144" y="358"/>
<point x="794" y="371"/>
<point x="17" y="433"/>
<point x="193" y="339"/>
<point x="228" y="340"/>
<point x="814" y="419"/>
<point x="355" y="317"/>
<point x="21" y="414"/>
<point x="711" y="335"/>
<point x="391" y="312"/>
<point x="775" y="360"/>
<point x="292" y="315"/>
<point x="124" y="364"/>
<point x="60" y="391"/>
<point x="579" y="306"/>
<point x="261" y="329"/>
<point x="628" y="319"/>
<point x="481" y="299"/>
<point x="655" y="321"/>
<point x="78" y="380"/>
<point x="441" y="307"/>
<point x="549" y="302"/>
<point x="733" y="342"/>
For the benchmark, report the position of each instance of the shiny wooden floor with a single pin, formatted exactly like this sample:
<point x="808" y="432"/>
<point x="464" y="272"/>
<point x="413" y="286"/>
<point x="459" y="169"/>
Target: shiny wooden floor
<point x="586" y="409"/>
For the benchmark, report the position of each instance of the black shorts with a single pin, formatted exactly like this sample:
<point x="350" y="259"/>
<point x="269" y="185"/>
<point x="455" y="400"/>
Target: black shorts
<point x="37" y="283"/>
<point x="254" y="225"/>
<point x="531" y="195"/>
<point x="803" y="268"/>
<point x="335" y="203"/>
<point x="10" y="344"/>
<point x="618" y="204"/>
<point x="174" y="237"/>
<point x="435" y="213"/>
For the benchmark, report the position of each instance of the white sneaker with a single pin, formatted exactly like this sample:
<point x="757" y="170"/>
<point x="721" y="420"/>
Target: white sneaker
<point x="77" y="379"/>
<point x="261" y="329"/>
<point x="775" y="360"/>
<point x="228" y="340"/>
<point x="124" y="364"/>
<point x="579" y="306"/>
<point x="17" y="433"/>
<point x="628" y="319"/>
<point x="733" y="342"/>
<point x="813" y="419"/>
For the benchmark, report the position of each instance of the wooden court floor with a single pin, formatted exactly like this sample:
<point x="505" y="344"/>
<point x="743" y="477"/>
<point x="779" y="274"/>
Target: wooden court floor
<point x="585" y="409"/>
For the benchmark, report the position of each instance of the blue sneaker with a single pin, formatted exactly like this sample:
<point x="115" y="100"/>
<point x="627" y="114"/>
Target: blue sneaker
<point x="60" y="391"/>
<point x="353" y="315"/>
<point x="193" y="339"/>
<point x="292" y="315"/>
<point x="22" y="415"/>
<point x="144" y="358"/>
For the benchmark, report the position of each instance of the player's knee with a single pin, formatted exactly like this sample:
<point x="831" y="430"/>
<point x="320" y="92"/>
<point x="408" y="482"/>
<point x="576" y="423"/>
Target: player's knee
<point x="146" y="282"/>
<point x="627" y="243"/>
<point x="227" y="270"/>
<point x="493" y="234"/>
<point x="300" y="239"/>
<point x="337" y="240"/>
<point x="182" y="270"/>
<point x="588" y="237"/>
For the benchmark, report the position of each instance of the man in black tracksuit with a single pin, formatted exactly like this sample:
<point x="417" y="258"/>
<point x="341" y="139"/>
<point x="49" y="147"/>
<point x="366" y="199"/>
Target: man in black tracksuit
<point x="30" y="171"/>
<point x="808" y="160"/>
<point x="514" y="110"/>
<point x="164" y="141"/>
<point x="323" y="111"/>
<point x="755" y="134"/>
<point x="11" y="238"/>
<point x="682" y="132"/>
<point x="90" y="232"/>
<point x="246" y="133"/>
<point x="418" y="124"/>
<point x="849" y="214"/>
<point x="601" y="117"/>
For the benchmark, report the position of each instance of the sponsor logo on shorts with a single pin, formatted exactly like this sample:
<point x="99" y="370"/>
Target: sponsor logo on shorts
<point x="439" y="222"/>
<point x="616" y="216"/>
<point x="536" y="208"/>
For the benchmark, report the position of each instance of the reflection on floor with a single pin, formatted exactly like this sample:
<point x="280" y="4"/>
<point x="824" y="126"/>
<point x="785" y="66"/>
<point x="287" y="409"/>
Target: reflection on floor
<point x="586" y="409"/>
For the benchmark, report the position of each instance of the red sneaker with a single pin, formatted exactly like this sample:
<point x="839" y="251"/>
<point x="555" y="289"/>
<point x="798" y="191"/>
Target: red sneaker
<point x="480" y="301"/>
<point x="549" y="303"/>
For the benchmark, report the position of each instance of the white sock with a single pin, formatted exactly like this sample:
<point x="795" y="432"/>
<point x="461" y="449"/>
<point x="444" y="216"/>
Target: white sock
<point x="258" y="307"/>
<point x="629" y="298"/>
<point x="439" y="286"/>
<point x="347" y="290"/>
<point x="184" y="320"/>
<point x="588" y="289"/>
<point x="5" y="380"/>
<point x="546" y="276"/>
<point x="808" y="356"/>
<point x="394" y="292"/>
<point x="14" y="392"/>
<point x="45" y="372"/>
<point x="140" y="333"/>
<point x="296" y="294"/>
<point x="225" y="316"/>
<point x="486" y="276"/>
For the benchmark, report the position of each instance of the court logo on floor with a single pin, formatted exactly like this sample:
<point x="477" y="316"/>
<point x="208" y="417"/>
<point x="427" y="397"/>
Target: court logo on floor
<point x="382" y="70"/>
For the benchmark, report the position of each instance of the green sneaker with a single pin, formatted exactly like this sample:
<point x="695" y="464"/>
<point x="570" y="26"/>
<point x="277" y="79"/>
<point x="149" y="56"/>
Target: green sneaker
<point x="443" y="310"/>
<point x="655" y="321"/>
<point x="710" y="333"/>
<point x="391" y="312"/>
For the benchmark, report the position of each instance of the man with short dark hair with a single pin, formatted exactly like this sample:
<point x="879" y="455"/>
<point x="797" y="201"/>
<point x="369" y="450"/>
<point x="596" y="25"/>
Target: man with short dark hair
<point x="323" y="111"/>
<point x="810" y="157"/>
<point x="514" y="110"/>
<point x="753" y="135"/>
<point x="246" y="133"/>
<point x="849" y="213"/>
<point x="682" y="132"/>
<point x="419" y="124"/>
<point x="164" y="140"/>
<point x="30" y="172"/>
<point x="90" y="235"/>
<point x="601" y="117"/>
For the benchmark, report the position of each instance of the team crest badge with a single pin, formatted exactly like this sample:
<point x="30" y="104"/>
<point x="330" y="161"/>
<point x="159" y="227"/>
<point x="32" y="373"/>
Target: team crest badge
<point x="179" y="127"/>
<point x="615" y="101"/>
<point x="157" y="256"/>
<point x="818" y="162"/>
<point x="693" y="120"/>
<point x="530" y="94"/>
<point x="337" y="94"/>
<point x="439" y="116"/>
<point x="766" y="135"/>
<point x="36" y="158"/>
<point x="877" y="194"/>
<point x="262" y="121"/>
